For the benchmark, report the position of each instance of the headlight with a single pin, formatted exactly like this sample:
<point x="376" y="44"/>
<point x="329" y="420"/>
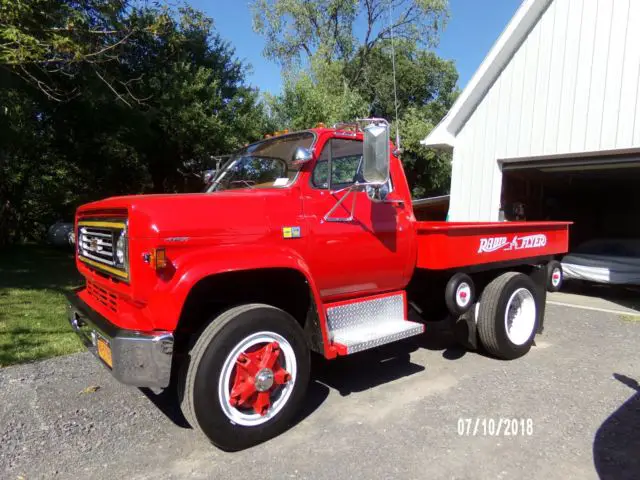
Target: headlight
<point x="121" y="248"/>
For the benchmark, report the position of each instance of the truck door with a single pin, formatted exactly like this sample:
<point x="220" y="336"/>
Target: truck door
<point x="365" y="254"/>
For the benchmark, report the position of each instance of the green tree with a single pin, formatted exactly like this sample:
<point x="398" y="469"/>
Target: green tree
<point x="171" y="95"/>
<point x="425" y="86"/>
<point x="49" y="42"/>
<point x="428" y="171"/>
<point x="196" y="100"/>
<point x="332" y="74"/>
<point x="422" y="79"/>
<point x="320" y="95"/>
<point x="298" y="30"/>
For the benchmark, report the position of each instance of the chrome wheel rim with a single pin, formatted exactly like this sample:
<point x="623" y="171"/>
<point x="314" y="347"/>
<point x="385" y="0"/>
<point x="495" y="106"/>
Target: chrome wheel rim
<point x="520" y="316"/>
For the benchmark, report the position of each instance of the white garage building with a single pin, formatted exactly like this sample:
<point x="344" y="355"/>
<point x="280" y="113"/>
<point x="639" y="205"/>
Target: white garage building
<point x="551" y="120"/>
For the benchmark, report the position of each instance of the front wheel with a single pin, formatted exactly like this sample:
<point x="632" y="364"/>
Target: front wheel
<point x="247" y="376"/>
<point x="508" y="315"/>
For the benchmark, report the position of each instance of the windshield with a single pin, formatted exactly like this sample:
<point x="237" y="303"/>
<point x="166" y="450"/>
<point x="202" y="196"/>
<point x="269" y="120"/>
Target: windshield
<point x="266" y="164"/>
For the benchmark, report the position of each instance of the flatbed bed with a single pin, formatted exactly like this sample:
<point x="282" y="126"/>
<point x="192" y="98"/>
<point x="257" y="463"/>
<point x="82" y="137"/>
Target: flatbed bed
<point x="448" y="245"/>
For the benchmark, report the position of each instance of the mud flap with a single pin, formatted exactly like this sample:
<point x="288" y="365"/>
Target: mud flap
<point x="465" y="329"/>
<point x="539" y="277"/>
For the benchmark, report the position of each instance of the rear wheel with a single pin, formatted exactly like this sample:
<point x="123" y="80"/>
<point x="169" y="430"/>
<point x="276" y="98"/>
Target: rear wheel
<point x="459" y="293"/>
<point x="508" y="315"/>
<point x="554" y="276"/>
<point x="247" y="376"/>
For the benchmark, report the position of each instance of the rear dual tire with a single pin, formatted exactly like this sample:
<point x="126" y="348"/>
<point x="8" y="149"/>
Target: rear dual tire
<point x="508" y="315"/>
<point x="214" y="379"/>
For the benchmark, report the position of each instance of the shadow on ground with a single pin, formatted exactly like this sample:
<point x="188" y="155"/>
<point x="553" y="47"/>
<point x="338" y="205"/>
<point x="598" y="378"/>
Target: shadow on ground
<point x="167" y="402"/>
<point x="616" y="446"/>
<point x="624" y="296"/>
<point x="346" y="375"/>
<point x="371" y="368"/>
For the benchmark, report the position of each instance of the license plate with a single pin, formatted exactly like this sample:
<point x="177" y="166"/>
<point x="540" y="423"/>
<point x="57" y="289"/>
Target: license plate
<point x="104" y="351"/>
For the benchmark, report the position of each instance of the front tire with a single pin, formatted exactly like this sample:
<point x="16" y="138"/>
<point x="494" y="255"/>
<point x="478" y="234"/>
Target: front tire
<point x="247" y="376"/>
<point x="508" y="315"/>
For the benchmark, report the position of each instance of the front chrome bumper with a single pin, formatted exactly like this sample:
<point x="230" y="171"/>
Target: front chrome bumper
<point x="142" y="359"/>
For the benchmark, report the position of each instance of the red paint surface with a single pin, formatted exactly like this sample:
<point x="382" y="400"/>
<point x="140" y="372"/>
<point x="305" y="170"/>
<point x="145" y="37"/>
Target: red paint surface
<point x="443" y="245"/>
<point x="209" y="233"/>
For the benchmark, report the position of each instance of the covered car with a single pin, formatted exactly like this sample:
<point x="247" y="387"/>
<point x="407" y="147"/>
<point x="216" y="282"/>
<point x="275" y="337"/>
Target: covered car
<point x="61" y="234"/>
<point x="608" y="261"/>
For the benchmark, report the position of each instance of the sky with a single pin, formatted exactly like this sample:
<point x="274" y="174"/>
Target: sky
<point x="473" y="27"/>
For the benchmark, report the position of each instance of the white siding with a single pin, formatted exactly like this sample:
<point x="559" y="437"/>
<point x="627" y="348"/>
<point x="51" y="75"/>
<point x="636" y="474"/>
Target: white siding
<point x="573" y="86"/>
<point x="628" y="110"/>
<point x="614" y="73"/>
<point x="553" y="106"/>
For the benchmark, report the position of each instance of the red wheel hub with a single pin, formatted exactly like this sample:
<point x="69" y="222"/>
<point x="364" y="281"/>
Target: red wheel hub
<point x="257" y="375"/>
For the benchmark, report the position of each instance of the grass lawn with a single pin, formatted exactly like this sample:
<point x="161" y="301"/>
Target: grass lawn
<point x="33" y="320"/>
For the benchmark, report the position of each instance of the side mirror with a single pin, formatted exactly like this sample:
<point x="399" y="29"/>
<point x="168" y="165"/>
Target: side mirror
<point x="375" y="162"/>
<point x="209" y="175"/>
<point x="301" y="156"/>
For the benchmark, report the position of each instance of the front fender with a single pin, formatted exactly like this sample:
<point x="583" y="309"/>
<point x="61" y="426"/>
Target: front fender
<point x="168" y="299"/>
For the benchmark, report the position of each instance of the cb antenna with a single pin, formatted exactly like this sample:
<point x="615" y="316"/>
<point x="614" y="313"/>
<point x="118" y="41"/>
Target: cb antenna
<point x="395" y="88"/>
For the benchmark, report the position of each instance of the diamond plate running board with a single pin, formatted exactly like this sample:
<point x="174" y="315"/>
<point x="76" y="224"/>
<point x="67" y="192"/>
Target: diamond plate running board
<point x="368" y="323"/>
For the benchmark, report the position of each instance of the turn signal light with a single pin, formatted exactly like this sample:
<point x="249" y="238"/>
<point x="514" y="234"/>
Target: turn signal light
<point x="156" y="258"/>
<point x="160" y="257"/>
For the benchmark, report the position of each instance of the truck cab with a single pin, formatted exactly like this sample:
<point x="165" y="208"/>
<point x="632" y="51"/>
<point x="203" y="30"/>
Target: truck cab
<point x="302" y="242"/>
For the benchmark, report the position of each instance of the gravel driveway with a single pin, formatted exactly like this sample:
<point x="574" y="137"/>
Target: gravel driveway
<point x="400" y="412"/>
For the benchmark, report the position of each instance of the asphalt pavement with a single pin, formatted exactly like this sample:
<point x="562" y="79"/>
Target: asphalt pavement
<point x="420" y="409"/>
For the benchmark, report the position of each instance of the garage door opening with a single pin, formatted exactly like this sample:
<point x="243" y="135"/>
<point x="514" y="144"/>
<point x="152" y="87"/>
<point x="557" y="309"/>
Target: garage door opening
<point x="601" y="196"/>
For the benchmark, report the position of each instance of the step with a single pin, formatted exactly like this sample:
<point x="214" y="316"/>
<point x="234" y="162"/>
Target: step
<point x="364" y="337"/>
<point x="365" y="323"/>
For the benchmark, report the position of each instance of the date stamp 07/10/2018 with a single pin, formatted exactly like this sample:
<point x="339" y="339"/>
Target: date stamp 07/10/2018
<point x="495" y="427"/>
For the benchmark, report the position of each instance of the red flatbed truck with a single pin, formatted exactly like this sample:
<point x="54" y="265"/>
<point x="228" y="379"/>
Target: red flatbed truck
<point x="225" y="293"/>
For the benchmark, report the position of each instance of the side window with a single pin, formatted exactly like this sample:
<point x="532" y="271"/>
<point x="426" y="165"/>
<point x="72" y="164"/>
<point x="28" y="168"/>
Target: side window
<point x="346" y="160"/>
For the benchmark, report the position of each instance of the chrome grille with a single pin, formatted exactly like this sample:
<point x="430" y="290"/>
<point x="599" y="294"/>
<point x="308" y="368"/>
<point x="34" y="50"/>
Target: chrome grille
<point x="98" y="244"/>
<point x="97" y="240"/>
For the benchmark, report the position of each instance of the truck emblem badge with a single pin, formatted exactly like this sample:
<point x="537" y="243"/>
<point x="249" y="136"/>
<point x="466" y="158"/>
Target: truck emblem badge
<point x="291" y="232"/>
<point x="93" y="245"/>
<point x="493" y="244"/>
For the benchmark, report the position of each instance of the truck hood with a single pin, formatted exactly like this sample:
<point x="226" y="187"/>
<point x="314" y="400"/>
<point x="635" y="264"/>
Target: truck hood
<point x="238" y="212"/>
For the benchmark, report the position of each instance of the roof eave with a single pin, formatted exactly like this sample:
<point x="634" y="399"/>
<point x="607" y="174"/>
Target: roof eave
<point x="508" y="43"/>
<point x="439" y="138"/>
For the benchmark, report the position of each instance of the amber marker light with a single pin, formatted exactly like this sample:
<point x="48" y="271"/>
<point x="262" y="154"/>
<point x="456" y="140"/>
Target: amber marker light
<point x="160" y="257"/>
